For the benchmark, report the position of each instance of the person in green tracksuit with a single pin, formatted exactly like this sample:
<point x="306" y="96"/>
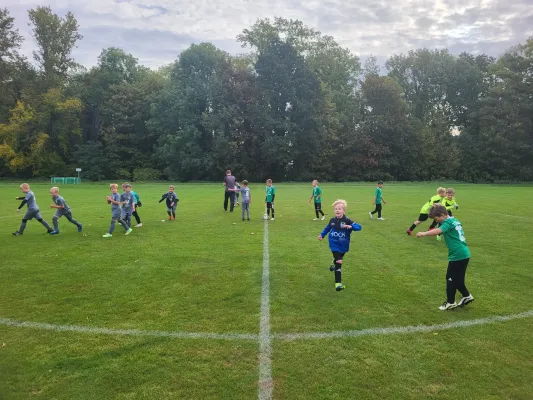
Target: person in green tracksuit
<point x="441" y="193"/>
<point x="458" y="255"/>
<point x="317" y="199"/>
<point x="269" y="198"/>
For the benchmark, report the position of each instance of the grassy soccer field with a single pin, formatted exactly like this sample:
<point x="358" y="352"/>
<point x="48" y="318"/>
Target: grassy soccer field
<point x="173" y="310"/>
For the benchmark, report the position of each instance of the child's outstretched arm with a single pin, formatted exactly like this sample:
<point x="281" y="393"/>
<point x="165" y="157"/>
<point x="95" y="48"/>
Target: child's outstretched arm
<point x="433" y="232"/>
<point x="163" y="197"/>
<point x="355" y="227"/>
<point x="326" y="230"/>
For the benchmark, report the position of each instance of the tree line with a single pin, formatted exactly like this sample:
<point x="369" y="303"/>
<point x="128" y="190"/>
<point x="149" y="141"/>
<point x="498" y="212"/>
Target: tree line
<point x="297" y="106"/>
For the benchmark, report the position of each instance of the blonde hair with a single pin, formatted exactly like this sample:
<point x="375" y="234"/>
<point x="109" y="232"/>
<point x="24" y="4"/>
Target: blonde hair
<point x="341" y="202"/>
<point x="24" y="186"/>
<point x="441" y="189"/>
<point x="171" y="187"/>
<point x="113" y="186"/>
<point x="450" y="191"/>
<point x="55" y="189"/>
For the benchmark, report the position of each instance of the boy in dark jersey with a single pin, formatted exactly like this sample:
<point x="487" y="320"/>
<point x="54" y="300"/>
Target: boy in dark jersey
<point x="339" y="228"/>
<point x="172" y="202"/>
<point x="458" y="255"/>
<point x="269" y="198"/>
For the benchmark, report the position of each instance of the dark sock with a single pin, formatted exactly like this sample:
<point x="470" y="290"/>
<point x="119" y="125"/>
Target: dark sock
<point x="169" y="213"/>
<point x="173" y="214"/>
<point x="316" y="212"/>
<point x="433" y="224"/>
<point x="412" y="228"/>
<point x="338" y="273"/>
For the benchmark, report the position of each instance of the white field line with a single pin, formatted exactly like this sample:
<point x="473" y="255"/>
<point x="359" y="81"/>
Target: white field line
<point x="265" y="349"/>
<point x="126" y="332"/>
<point x="401" y="329"/>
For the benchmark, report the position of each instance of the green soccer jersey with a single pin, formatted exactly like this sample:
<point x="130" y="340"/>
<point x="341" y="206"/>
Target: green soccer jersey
<point x="270" y="193"/>
<point x="433" y="200"/>
<point x="452" y="230"/>
<point x="378" y="195"/>
<point x="317" y="192"/>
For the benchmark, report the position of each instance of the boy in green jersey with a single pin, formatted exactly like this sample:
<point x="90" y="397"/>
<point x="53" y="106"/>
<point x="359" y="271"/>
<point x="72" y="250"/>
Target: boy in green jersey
<point x="269" y="199"/>
<point x="458" y="255"/>
<point x="441" y="192"/>
<point x="378" y="199"/>
<point x="317" y="197"/>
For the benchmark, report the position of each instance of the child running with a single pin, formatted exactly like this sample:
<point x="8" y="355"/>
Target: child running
<point x="116" y="212"/>
<point x="458" y="256"/>
<point x="62" y="209"/>
<point x="450" y="204"/>
<point x="316" y="196"/>
<point x="31" y="212"/>
<point x="269" y="198"/>
<point x="339" y="228"/>
<point x="424" y="211"/>
<point x="172" y="202"/>
<point x="378" y="198"/>
<point x="128" y="203"/>
<point x="136" y="204"/>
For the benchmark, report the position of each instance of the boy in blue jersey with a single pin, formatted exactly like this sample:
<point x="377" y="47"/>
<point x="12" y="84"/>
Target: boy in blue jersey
<point x="32" y="212"/>
<point x="128" y="204"/>
<point x="339" y="228"/>
<point x="62" y="209"/>
<point x="378" y="199"/>
<point x="172" y="202"/>
<point x="458" y="256"/>
<point x="116" y="212"/>
<point x="136" y="204"/>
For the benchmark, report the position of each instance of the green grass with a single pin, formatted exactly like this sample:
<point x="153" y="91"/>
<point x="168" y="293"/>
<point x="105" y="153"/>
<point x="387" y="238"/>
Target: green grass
<point x="202" y="273"/>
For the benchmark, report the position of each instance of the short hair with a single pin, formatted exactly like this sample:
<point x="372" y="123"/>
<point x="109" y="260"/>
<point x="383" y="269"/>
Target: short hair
<point x="437" y="210"/>
<point x="126" y="186"/>
<point x="245" y="182"/>
<point x="380" y="183"/>
<point x="269" y="180"/>
<point x="450" y="191"/>
<point x="342" y="202"/>
<point x="125" y="183"/>
<point x="113" y="186"/>
<point x="441" y="189"/>
<point x="55" y="189"/>
<point x="171" y="187"/>
<point x="24" y="186"/>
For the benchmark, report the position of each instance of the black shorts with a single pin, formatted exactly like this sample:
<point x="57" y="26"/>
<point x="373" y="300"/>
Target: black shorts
<point x="269" y="204"/>
<point x="337" y="255"/>
<point x="318" y="206"/>
<point x="423" y="217"/>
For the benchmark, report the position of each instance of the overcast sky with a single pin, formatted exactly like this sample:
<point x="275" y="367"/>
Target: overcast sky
<point x="155" y="32"/>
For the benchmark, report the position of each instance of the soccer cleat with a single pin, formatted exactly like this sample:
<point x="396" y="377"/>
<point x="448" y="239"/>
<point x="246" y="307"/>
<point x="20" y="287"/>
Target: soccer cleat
<point x="80" y="228"/>
<point x="107" y="235"/>
<point x="381" y="219"/>
<point x="272" y="219"/>
<point x="54" y="233"/>
<point x="409" y="231"/>
<point x="139" y="225"/>
<point x="169" y="217"/>
<point x="315" y="219"/>
<point x="323" y="218"/>
<point x="128" y="231"/>
<point x="17" y="233"/>
<point x="465" y="300"/>
<point x="447" y="306"/>
<point x="332" y="268"/>
<point x="339" y="287"/>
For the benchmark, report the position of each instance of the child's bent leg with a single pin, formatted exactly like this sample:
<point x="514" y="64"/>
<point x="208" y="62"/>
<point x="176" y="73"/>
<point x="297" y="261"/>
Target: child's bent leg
<point x="378" y="207"/>
<point x="174" y="212"/>
<point x="451" y="276"/>
<point x="43" y="222"/>
<point x="123" y="223"/>
<point x="112" y="226"/>
<point x="72" y="220"/>
<point x="337" y="260"/>
<point x="459" y="276"/>
<point x="54" y="222"/>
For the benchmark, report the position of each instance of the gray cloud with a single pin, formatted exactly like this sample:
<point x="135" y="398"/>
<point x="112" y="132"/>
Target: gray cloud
<point x="156" y="32"/>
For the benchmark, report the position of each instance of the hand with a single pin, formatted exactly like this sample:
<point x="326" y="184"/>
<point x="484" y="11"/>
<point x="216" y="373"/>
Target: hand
<point x="320" y="237"/>
<point x="456" y="206"/>
<point x="171" y="204"/>
<point x="108" y="198"/>
<point x="420" y="234"/>
<point x="384" y="202"/>
<point x="309" y="201"/>
<point x="348" y="226"/>
<point x="51" y="205"/>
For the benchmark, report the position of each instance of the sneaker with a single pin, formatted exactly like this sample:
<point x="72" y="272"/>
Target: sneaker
<point x="139" y="225"/>
<point x="381" y="219"/>
<point x="409" y="231"/>
<point x="370" y="215"/>
<point x="272" y="219"/>
<point x="465" y="300"/>
<point x="107" y="235"/>
<point x="128" y="231"/>
<point x="17" y="233"/>
<point x="332" y="268"/>
<point x="54" y="233"/>
<point x="173" y="218"/>
<point x="315" y="219"/>
<point x="169" y="217"/>
<point x="447" y="306"/>
<point x="339" y="287"/>
<point x="323" y="218"/>
<point x="80" y="228"/>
